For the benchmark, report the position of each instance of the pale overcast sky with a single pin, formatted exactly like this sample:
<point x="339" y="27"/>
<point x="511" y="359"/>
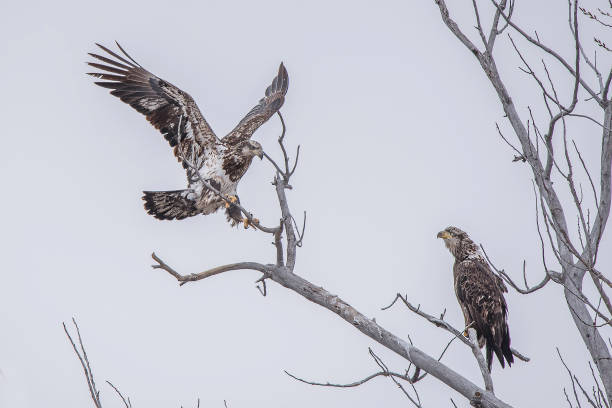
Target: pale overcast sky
<point x="397" y="127"/>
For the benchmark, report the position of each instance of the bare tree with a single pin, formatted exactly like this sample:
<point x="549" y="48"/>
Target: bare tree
<point x="555" y="171"/>
<point x="287" y="239"/>
<point x="575" y="250"/>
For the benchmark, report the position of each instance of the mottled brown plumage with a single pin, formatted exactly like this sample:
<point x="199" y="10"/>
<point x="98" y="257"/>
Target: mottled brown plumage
<point x="480" y="295"/>
<point x="221" y="163"/>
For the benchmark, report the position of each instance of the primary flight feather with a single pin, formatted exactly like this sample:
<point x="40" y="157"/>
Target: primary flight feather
<point x="220" y="163"/>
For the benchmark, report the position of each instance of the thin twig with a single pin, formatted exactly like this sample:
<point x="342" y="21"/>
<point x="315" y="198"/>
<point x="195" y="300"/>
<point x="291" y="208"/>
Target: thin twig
<point x="509" y="280"/>
<point x="520" y="156"/>
<point x="127" y="403"/>
<point x="571" y="376"/>
<point x="351" y="384"/>
<point x="83" y="359"/>
<point x="443" y="324"/>
<point x="549" y="51"/>
<point x="383" y="366"/>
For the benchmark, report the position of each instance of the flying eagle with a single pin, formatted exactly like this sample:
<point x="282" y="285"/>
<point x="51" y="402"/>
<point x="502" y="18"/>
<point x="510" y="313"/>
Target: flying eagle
<point x="208" y="160"/>
<point x="480" y="295"/>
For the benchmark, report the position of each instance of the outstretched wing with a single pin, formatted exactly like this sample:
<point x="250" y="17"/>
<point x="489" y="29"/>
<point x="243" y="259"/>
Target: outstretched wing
<point x="267" y="106"/>
<point x="481" y="298"/>
<point x="172" y="111"/>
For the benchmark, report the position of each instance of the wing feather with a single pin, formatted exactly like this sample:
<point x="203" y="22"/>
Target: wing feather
<point x="483" y="303"/>
<point x="169" y="109"/>
<point x="267" y="106"/>
<point x="108" y="61"/>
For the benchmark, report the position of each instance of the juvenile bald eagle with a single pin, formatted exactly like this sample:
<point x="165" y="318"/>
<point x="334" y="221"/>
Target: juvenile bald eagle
<point x="480" y="295"/>
<point x="221" y="163"/>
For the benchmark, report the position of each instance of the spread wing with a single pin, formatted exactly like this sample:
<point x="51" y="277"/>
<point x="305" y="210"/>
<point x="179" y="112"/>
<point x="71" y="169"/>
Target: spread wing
<point x="172" y="111"/>
<point x="267" y="106"/>
<point x="480" y="297"/>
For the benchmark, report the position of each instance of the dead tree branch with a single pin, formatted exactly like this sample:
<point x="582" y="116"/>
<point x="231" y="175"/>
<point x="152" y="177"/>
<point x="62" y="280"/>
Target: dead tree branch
<point x="352" y="384"/>
<point x="413" y="379"/>
<point x="84" y="360"/>
<point x="126" y="402"/>
<point x="287" y="241"/>
<point x="441" y="323"/>
<point x="383" y="366"/>
<point x="574" y="259"/>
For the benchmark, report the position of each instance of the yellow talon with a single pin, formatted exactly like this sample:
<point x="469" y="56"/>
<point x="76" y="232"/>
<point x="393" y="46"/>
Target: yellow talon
<point x="231" y="198"/>
<point x="246" y="222"/>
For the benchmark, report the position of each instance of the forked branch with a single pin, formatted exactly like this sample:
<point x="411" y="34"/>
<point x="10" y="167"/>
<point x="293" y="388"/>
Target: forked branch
<point x="88" y="372"/>
<point x="443" y="324"/>
<point x="84" y="360"/>
<point x="286" y="241"/>
<point x="574" y="260"/>
<point x="183" y="279"/>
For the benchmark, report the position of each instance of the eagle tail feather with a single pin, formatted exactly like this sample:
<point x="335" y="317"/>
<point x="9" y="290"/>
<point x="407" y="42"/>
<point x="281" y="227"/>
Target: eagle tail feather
<point x="506" y="350"/>
<point x="500" y="356"/>
<point x="169" y="205"/>
<point x="501" y="349"/>
<point x="489" y="356"/>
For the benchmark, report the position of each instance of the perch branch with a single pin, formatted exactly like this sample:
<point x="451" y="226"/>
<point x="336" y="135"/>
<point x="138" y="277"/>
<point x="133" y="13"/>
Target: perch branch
<point x="444" y="324"/>
<point x="484" y="371"/>
<point x="194" y="169"/>
<point x="284" y="275"/>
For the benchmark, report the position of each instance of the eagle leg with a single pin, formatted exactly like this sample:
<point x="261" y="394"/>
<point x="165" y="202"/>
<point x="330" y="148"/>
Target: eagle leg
<point x="246" y="222"/>
<point x="465" y="331"/>
<point x="231" y="198"/>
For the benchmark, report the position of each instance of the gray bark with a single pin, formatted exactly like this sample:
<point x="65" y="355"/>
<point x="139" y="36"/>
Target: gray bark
<point x="376" y="332"/>
<point x="573" y="269"/>
<point x="283" y="274"/>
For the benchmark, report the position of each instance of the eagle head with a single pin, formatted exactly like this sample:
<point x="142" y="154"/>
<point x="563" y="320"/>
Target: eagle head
<point x="458" y="242"/>
<point x="251" y="148"/>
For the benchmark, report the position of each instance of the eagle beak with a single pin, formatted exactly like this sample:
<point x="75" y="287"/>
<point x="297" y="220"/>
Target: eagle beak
<point x="260" y="154"/>
<point x="443" y="235"/>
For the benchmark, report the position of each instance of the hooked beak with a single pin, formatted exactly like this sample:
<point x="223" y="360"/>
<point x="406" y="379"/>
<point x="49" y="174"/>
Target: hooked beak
<point x="443" y="235"/>
<point x="260" y="155"/>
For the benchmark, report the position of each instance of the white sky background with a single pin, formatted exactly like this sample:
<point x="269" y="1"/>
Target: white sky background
<point x="396" y="122"/>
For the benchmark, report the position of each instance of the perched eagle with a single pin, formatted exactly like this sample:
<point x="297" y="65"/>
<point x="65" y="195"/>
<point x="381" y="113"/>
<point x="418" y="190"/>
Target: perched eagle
<point x="480" y="295"/>
<point x="221" y="163"/>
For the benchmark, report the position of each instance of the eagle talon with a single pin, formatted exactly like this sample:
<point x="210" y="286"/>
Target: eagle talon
<point x="211" y="163"/>
<point x="231" y="198"/>
<point x="246" y="222"/>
